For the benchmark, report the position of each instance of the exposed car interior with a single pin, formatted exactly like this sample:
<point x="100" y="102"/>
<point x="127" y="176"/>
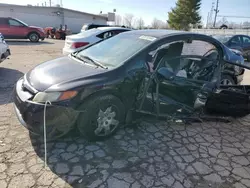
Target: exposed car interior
<point x="187" y="67"/>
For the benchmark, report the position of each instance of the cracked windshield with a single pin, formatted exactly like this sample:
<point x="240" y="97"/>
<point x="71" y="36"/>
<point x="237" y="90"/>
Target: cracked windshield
<point x="124" y="94"/>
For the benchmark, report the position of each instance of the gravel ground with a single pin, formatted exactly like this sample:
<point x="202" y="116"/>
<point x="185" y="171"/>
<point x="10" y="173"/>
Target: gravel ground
<point x="152" y="154"/>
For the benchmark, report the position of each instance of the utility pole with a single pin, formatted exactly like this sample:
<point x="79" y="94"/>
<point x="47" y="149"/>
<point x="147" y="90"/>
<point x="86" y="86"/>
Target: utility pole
<point x="45" y="3"/>
<point x="211" y="15"/>
<point x="216" y="12"/>
<point x="50" y="3"/>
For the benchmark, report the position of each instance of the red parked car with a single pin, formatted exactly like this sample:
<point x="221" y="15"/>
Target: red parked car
<point x="12" y="28"/>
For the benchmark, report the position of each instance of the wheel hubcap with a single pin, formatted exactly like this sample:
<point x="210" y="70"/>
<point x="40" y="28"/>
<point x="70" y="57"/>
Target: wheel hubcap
<point x="106" y="122"/>
<point x="33" y="37"/>
<point x="226" y="82"/>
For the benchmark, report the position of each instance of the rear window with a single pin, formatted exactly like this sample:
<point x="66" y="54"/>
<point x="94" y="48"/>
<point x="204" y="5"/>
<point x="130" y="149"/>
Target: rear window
<point x="88" y="33"/>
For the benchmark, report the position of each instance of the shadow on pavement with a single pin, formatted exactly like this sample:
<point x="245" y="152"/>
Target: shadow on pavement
<point x="8" y="78"/>
<point x="80" y="163"/>
<point x="26" y="42"/>
<point x="152" y="154"/>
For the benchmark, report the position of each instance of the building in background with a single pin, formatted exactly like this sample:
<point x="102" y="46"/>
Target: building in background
<point x="52" y="16"/>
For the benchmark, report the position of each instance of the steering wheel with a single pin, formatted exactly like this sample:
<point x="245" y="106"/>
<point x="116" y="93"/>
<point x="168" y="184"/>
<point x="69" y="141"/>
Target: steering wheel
<point x="209" y="52"/>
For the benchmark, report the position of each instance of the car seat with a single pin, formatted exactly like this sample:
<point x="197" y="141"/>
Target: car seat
<point x="167" y="56"/>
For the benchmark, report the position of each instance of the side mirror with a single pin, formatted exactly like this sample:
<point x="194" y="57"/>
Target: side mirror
<point x="165" y="73"/>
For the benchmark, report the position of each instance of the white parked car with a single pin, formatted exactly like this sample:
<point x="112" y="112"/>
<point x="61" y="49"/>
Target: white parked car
<point x="4" y="49"/>
<point x="79" y="41"/>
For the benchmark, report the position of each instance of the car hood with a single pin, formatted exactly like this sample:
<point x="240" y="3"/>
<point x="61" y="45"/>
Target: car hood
<point x="238" y="52"/>
<point x="233" y="56"/>
<point x="59" y="71"/>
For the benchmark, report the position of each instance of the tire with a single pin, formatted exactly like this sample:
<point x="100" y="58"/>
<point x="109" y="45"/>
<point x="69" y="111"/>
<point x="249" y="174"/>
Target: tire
<point x="107" y="111"/>
<point x="227" y="80"/>
<point x="34" y="37"/>
<point x="248" y="58"/>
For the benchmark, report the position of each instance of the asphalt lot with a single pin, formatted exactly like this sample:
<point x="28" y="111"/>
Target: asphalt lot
<point x="152" y="154"/>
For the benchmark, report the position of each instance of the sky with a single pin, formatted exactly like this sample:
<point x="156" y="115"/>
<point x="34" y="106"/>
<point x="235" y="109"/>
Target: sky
<point x="147" y="9"/>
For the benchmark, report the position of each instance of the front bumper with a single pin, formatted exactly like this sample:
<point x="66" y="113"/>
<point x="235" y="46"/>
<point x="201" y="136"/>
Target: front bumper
<point x="6" y="54"/>
<point x="31" y="115"/>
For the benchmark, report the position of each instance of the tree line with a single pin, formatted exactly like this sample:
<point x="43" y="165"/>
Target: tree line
<point x="130" y="21"/>
<point x="183" y="16"/>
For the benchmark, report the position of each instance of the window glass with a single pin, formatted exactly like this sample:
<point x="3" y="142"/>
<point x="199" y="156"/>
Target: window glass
<point x="15" y="23"/>
<point x="197" y="47"/>
<point x="126" y="45"/>
<point x="246" y="40"/>
<point x="107" y="34"/>
<point x="235" y="40"/>
<point x="118" y="31"/>
<point x="88" y="33"/>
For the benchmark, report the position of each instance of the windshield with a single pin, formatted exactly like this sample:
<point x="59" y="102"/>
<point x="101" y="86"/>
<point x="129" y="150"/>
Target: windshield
<point x="22" y="22"/>
<point x="114" y="51"/>
<point x="222" y="39"/>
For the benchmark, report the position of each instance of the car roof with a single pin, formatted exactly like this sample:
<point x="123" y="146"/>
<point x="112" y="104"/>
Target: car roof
<point x="158" y="33"/>
<point x="96" y="24"/>
<point x="111" y="28"/>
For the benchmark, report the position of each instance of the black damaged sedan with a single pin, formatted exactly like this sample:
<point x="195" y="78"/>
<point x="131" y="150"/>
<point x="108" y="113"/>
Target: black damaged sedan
<point x="169" y="74"/>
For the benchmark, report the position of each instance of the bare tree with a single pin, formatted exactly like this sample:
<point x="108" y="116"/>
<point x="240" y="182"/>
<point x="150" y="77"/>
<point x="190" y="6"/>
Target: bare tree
<point x="155" y="23"/>
<point x="158" y="24"/>
<point x="128" y="20"/>
<point x="118" y="20"/>
<point x="139" y="23"/>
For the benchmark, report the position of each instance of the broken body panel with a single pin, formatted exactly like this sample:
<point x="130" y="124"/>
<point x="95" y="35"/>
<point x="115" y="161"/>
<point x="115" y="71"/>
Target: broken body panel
<point x="164" y="94"/>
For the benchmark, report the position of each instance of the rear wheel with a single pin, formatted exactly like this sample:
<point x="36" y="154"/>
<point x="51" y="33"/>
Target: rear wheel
<point x="33" y="37"/>
<point x="102" y="117"/>
<point x="227" y="80"/>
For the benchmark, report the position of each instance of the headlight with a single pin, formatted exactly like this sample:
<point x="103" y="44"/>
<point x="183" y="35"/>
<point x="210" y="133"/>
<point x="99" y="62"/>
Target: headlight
<point x="54" y="96"/>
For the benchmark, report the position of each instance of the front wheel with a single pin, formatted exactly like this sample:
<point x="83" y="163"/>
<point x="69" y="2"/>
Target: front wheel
<point x="101" y="118"/>
<point x="34" y="37"/>
<point x="227" y="80"/>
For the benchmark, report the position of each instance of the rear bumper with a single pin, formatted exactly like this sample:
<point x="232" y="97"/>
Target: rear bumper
<point x="67" y="51"/>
